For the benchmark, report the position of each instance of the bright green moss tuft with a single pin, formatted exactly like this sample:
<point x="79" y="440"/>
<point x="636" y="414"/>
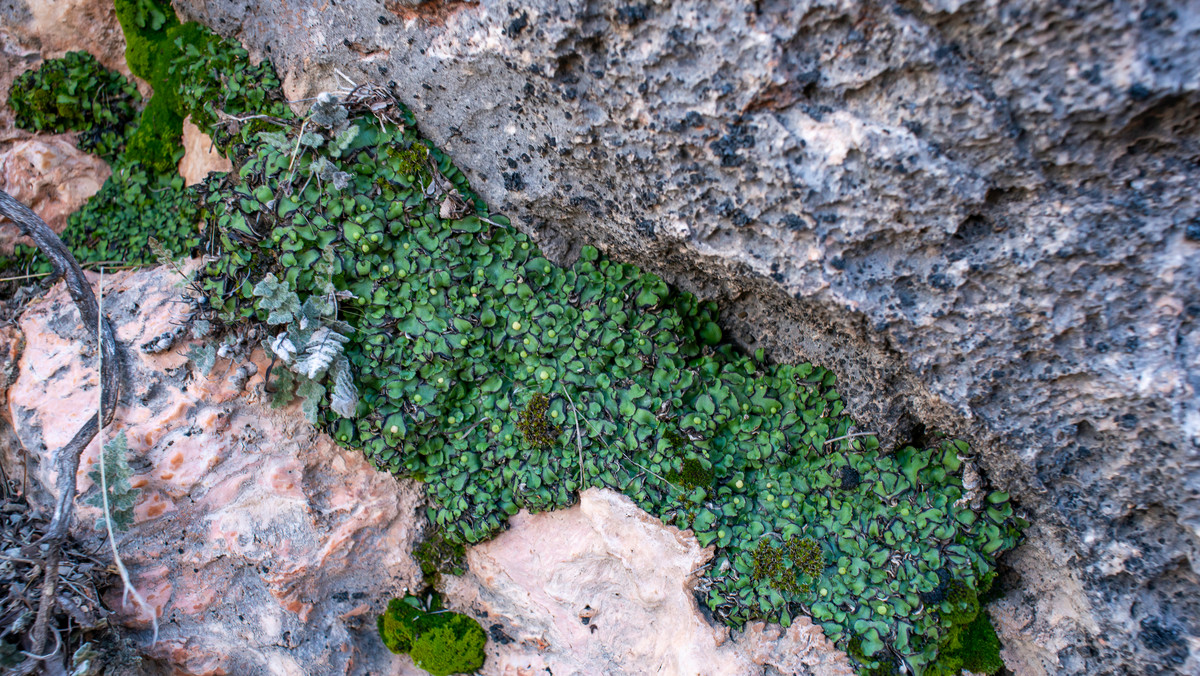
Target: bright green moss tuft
<point x="962" y="603"/>
<point x="693" y="474"/>
<point x="155" y="145"/>
<point x="439" y="642"/>
<point x="979" y="647"/>
<point x="76" y="93"/>
<point x="149" y="51"/>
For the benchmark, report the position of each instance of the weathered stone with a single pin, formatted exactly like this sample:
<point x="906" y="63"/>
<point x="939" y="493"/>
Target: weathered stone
<point x="603" y="587"/>
<point x="261" y="546"/>
<point x="49" y="175"/>
<point x="199" y="156"/>
<point x="976" y="213"/>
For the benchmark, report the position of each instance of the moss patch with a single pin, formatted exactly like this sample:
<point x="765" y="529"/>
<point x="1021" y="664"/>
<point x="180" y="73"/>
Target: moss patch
<point x="438" y="641"/>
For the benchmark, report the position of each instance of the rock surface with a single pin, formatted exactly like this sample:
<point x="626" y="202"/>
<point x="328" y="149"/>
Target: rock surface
<point x="51" y="176"/>
<point x="262" y="547"/>
<point x="981" y="215"/>
<point x="604" y="585"/>
<point x="200" y="158"/>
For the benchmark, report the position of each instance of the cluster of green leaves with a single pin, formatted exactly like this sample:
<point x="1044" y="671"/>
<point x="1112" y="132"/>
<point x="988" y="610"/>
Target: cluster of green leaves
<point x="439" y="641"/>
<point x="465" y="336"/>
<point x="76" y="93"/>
<point x="145" y="197"/>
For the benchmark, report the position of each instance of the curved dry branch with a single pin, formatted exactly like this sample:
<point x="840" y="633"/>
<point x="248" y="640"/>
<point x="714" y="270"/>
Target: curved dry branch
<point x="67" y="460"/>
<point x="65" y="266"/>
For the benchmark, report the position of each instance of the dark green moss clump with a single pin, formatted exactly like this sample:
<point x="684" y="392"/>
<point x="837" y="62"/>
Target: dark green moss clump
<point x="535" y="427"/>
<point x="437" y="555"/>
<point x="76" y="93"/>
<point x="792" y="567"/>
<point x="439" y="642"/>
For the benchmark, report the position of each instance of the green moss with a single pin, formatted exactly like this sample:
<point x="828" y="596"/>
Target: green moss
<point x="439" y="642"/>
<point x="979" y="647"/>
<point x="437" y="555"/>
<point x="792" y="567"/>
<point x="692" y="474"/>
<point x="155" y="145"/>
<point x="961" y="604"/>
<point x="76" y="93"/>
<point x="535" y="427"/>
<point x="149" y="51"/>
<point x="145" y="24"/>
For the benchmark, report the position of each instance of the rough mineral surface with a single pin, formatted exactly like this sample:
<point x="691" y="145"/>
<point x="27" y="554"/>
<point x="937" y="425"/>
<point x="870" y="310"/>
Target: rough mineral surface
<point x="262" y="547"/>
<point x="51" y="176"/>
<point x="199" y="156"/>
<point x="603" y="585"/>
<point x="982" y="215"/>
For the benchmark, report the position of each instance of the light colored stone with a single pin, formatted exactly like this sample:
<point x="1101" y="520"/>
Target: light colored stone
<point x="50" y="175"/>
<point x="262" y="547"/>
<point x="199" y="156"/>
<point x="602" y="587"/>
<point x="55" y="27"/>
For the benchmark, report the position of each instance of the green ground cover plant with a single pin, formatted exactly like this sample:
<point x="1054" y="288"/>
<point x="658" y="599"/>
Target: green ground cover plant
<point x="423" y="329"/>
<point x="76" y="93"/>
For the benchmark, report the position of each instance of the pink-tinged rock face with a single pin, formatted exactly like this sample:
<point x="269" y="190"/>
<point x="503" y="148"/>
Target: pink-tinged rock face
<point x="262" y="546"/>
<point x="199" y="156"/>
<point x="51" y="176"/>
<point x="604" y="585"/>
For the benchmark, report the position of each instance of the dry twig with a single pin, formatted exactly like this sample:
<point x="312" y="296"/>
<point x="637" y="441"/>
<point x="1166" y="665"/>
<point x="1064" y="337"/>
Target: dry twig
<point x="67" y="458"/>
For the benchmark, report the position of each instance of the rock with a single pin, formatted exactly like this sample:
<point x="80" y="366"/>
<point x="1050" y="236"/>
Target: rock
<point x="199" y="156"/>
<point x="50" y="175"/>
<point x="603" y="587"/>
<point x="262" y="546"/>
<point x="980" y="225"/>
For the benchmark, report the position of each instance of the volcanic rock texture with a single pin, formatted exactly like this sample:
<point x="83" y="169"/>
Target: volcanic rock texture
<point x="982" y="215"/>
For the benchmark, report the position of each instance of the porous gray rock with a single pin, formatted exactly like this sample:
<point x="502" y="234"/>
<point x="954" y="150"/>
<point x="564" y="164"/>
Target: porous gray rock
<point x="981" y="215"/>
